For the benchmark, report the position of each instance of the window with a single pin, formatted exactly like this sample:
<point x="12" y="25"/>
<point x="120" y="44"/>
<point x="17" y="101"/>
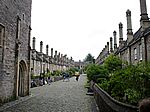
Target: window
<point x="135" y="53"/>
<point x="1" y="35"/>
<point x="23" y="18"/>
<point x="1" y="42"/>
<point x="140" y="52"/>
<point x="18" y="27"/>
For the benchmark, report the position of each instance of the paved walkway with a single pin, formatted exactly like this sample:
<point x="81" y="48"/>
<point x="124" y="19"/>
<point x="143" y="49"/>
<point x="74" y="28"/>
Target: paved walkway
<point x="58" y="97"/>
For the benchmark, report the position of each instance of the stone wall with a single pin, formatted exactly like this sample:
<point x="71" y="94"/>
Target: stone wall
<point x="107" y="104"/>
<point x="15" y="16"/>
<point x="148" y="47"/>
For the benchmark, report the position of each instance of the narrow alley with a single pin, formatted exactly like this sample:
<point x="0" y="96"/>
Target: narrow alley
<point x="67" y="96"/>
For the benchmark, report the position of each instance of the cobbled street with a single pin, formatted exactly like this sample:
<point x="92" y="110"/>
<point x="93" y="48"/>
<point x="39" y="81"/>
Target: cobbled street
<point x="67" y="96"/>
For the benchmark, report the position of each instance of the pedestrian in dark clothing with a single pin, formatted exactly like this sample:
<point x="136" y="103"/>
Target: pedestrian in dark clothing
<point x="67" y="76"/>
<point x="49" y="80"/>
<point x="64" y="76"/>
<point x="77" y="76"/>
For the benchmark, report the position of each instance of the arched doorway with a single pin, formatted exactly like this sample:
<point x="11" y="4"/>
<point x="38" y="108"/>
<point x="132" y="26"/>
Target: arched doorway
<point x="22" y="72"/>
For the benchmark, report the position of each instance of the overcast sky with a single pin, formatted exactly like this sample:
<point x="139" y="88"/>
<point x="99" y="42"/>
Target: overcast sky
<point x="79" y="27"/>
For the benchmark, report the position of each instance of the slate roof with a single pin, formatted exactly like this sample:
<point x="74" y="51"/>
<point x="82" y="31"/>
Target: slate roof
<point x="136" y="37"/>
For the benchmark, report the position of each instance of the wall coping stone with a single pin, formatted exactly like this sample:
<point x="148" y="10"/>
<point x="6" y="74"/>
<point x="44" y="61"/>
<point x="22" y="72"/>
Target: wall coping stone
<point x="111" y="102"/>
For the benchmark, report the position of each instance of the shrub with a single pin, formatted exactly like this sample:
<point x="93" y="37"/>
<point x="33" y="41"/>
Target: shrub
<point x="113" y="63"/>
<point x="94" y="72"/>
<point x="72" y="71"/>
<point x="132" y="82"/>
<point x="56" y="73"/>
<point x="33" y="76"/>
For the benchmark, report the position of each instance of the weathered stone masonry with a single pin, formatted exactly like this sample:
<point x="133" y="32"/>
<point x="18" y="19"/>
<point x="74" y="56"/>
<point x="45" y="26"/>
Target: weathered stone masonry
<point x="17" y="60"/>
<point x="15" y="22"/>
<point x="137" y="46"/>
<point x="42" y="63"/>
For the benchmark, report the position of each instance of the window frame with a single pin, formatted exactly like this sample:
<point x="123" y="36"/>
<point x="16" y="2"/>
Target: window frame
<point x="135" y="53"/>
<point x="140" y="52"/>
<point x="2" y="32"/>
<point x="2" y="37"/>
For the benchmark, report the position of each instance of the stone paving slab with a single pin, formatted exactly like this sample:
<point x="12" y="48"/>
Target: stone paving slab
<point x="68" y="96"/>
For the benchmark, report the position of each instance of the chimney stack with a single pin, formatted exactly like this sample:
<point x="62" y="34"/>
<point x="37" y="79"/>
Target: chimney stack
<point x="145" y="23"/>
<point x="143" y="7"/>
<point x="41" y="46"/>
<point x="47" y="49"/>
<point x="59" y="56"/>
<point x="108" y="47"/>
<point x="33" y="43"/>
<point x="111" y="46"/>
<point x="129" y="26"/>
<point x="52" y="52"/>
<point x="55" y="55"/>
<point x="120" y="34"/>
<point x="115" y="40"/>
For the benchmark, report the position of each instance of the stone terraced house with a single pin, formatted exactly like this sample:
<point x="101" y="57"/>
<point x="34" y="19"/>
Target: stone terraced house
<point x="137" y="46"/>
<point x="42" y="63"/>
<point x="15" y="22"/>
<point x="17" y="60"/>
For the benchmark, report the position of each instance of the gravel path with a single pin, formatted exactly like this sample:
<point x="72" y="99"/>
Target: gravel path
<point x="58" y="97"/>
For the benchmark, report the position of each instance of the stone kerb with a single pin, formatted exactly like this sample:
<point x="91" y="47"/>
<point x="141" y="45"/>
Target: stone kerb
<point x="106" y="102"/>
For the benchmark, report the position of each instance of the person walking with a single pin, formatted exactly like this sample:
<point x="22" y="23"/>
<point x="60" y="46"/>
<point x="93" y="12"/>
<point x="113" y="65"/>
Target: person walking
<point x="67" y="76"/>
<point x="64" y="76"/>
<point x="77" y="75"/>
<point x="49" y="80"/>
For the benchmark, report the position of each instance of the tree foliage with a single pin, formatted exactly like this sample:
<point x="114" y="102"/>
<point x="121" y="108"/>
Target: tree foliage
<point x="89" y="58"/>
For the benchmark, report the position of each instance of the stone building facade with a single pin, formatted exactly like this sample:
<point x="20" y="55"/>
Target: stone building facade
<point x="80" y="65"/>
<point x="137" y="46"/>
<point x="15" y="22"/>
<point x="42" y="63"/>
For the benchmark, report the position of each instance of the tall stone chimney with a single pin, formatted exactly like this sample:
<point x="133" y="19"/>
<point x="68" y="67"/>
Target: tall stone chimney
<point x="61" y="58"/>
<point x="120" y="34"/>
<point x="47" y="49"/>
<point x="33" y="43"/>
<point x="115" y="40"/>
<point x="143" y="7"/>
<point x="64" y="59"/>
<point x="111" y="45"/>
<point x="41" y="46"/>
<point x="52" y="52"/>
<point x="108" y="47"/>
<point x="58" y="56"/>
<point x="55" y="55"/>
<point x="144" y="16"/>
<point x="129" y="26"/>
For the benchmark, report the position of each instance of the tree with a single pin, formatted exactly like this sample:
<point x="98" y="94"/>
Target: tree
<point x="89" y="58"/>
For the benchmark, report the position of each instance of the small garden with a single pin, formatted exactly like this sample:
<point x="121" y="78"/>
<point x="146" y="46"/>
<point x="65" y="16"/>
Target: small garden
<point x="125" y="83"/>
<point x="46" y="78"/>
<point x="70" y="71"/>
